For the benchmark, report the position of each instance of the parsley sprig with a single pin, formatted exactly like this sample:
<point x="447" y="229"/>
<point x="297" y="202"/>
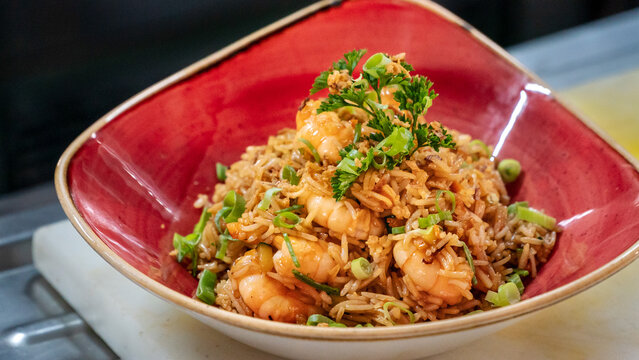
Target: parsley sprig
<point x="398" y="135"/>
<point x="348" y="63"/>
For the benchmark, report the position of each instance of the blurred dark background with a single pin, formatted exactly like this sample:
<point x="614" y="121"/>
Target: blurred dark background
<point x="63" y="64"/>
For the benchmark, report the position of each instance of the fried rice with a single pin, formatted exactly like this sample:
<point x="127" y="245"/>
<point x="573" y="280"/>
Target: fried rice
<point x="498" y="241"/>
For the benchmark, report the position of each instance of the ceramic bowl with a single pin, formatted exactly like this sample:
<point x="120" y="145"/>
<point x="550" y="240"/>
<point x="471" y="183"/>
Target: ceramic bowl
<point x="129" y="181"/>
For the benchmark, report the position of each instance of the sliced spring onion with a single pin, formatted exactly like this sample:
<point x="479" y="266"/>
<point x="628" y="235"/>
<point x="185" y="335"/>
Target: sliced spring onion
<point x="398" y="230"/>
<point x="469" y="258"/>
<point x="521" y="272"/>
<point x="515" y="279"/>
<point x="321" y="287"/>
<point x="510" y="292"/>
<point x="287" y="220"/>
<point x="312" y="149"/>
<point x="434" y="219"/>
<point x="268" y="197"/>
<point x="537" y="217"/>
<point x="509" y="169"/>
<point x="452" y="200"/>
<point x="291" y="209"/>
<point x="220" y="169"/>
<point x="265" y="254"/>
<point x="361" y="268"/>
<point x="507" y="294"/>
<point x="410" y="314"/>
<point x="379" y="165"/>
<point x="236" y="203"/>
<point x="512" y="208"/>
<point x="223" y="245"/>
<point x="288" y="173"/>
<point x="375" y="63"/>
<point x="365" y="325"/>
<point x="315" y="319"/>
<point x="493" y="298"/>
<point x="289" y="246"/>
<point x="187" y="245"/>
<point x="358" y="133"/>
<point x="204" y="218"/>
<point x="206" y="287"/>
<point x="224" y="211"/>
<point x="482" y="145"/>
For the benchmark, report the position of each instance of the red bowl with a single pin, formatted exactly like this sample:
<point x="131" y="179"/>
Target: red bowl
<point x="129" y="181"/>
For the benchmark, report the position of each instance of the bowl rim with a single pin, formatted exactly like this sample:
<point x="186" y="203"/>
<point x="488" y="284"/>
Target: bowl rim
<point x="309" y="332"/>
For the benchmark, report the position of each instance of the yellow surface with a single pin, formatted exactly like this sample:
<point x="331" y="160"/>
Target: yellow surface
<point x="613" y="104"/>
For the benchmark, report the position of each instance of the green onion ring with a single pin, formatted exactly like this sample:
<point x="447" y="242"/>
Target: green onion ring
<point x="361" y="268"/>
<point x="452" y="200"/>
<point x="280" y="220"/>
<point x="410" y="314"/>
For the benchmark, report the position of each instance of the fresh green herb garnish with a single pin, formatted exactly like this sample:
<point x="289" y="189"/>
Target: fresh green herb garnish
<point x="396" y="140"/>
<point x="348" y="63"/>
<point x="469" y="258"/>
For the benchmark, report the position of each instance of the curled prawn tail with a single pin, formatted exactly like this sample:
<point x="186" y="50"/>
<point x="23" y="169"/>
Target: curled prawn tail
<point x="267" y="297"/>
<point x="313" y="257"/>
<point x="341" y="218"/>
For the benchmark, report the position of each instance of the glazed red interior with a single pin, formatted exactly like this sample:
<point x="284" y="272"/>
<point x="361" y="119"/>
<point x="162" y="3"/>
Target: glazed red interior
<point x="135" y="180"/>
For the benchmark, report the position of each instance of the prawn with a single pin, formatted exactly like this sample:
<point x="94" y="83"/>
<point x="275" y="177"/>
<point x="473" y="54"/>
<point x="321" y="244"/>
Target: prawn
<point x="267" y="297"/>
<point x="313" y="256"/>
<point x="341" y="218"/>
<point x="325" y="131"/>
<point x="426" y="276"/>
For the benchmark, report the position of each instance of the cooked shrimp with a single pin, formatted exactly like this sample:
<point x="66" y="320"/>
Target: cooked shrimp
<point x="341" y="218"/>
<point x="267" y="297"/>
<point x="313" y="257"/>
<point x="325" y="131"/>
<point x="426" y="276"/>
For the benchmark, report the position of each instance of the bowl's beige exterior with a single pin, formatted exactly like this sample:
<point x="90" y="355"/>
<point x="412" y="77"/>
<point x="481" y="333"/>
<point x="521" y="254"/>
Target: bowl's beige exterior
<point x="295" y="341"/>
